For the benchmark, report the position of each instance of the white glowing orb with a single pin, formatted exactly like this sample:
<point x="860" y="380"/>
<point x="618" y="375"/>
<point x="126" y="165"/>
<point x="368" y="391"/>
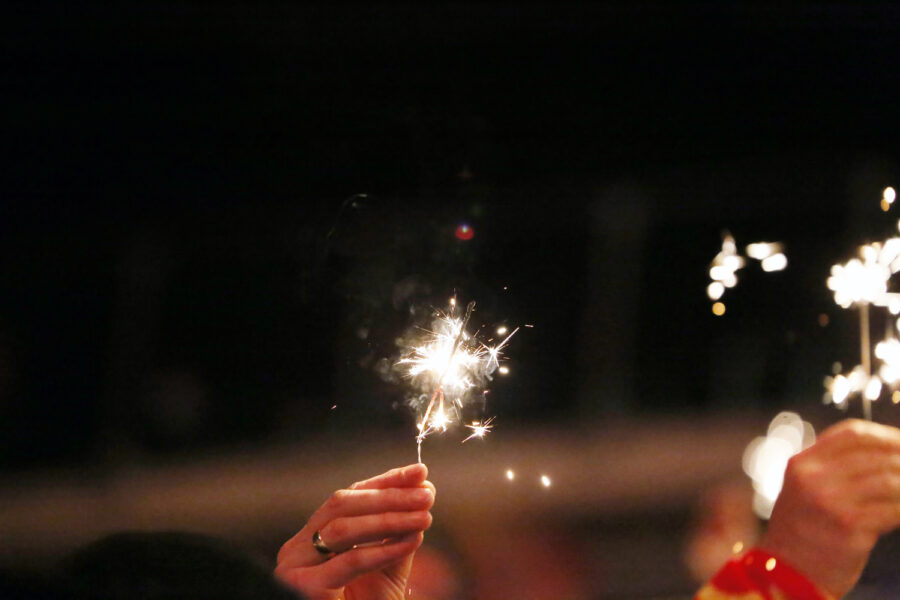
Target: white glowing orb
<point x="775" y="262"/>
<point x="858" y="281"/>
<point x="715" y="290"/>
<point x="766" y="458"/>
<point x="873" y="388"/>
<point x="889" y="195"/>
<point x="763" y="250"/>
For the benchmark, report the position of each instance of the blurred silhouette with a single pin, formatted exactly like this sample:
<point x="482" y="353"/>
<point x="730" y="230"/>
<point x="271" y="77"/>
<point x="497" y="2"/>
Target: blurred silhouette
<point x="154" y="566"/>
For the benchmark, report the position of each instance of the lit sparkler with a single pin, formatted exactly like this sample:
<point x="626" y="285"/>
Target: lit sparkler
<point x="446" y="366"/>
<point x="728" y="261"/>
<point x="860" y="283"/>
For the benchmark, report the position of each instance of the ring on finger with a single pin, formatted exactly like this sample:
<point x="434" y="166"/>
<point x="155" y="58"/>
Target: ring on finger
<point x="320" y="545"/>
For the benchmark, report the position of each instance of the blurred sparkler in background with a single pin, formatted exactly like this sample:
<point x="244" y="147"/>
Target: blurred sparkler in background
<point x="861" y="283"/>
<point x="724" y="267"/>
<point x="446" y="364"/>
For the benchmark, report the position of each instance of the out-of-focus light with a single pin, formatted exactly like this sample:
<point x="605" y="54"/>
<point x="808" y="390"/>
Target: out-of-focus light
<point x="453" y="301"/>
<point x="718" y="309"/>
<point x="889" y="195"/>
<point x="873" y="388"/>
<point x="501" y="330"/>
<point x="738" y="546"/>
<point x="718" y="272"/>
<point x="465" y="232"/>
<point x="730" y="280"/>
<point x="763" y="250"/>
<point x="510" y="475"/>
<point x="770" y="564"/>
<point x="503" y="370"/>
<point x="715" y="290"/>
<point x="776" y="262"/>
<point x="894" y="306"/>
<point x="824" y="320"/>
<point x="895" y="397"/>
<point x="765" y="458"/>
<point x="857" y="281"/>
<point x="545" y="481"/>
<point x="885" y="205"/>
<point x="840" y="389"/>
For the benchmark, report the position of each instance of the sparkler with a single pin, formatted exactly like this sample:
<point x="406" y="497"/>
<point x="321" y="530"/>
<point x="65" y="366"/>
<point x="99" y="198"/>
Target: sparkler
<point x="446" y="364"/>
<point x="724" y="266"/>
<point x="862" y="283"/>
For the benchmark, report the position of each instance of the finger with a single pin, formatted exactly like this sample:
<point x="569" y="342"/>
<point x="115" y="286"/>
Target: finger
<point x="344" y="568"/>
<point x="347" y="503"/>
<point x="856" y="434"/>
<point x="409" y="476"/>
<point x="342" y="535"/>
<point x="878" y="486"/>
<point x="350" y="503"/>
<point x="879" y="516"/>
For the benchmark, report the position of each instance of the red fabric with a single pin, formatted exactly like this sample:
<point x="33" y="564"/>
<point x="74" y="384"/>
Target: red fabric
<point x="758" y="572"/>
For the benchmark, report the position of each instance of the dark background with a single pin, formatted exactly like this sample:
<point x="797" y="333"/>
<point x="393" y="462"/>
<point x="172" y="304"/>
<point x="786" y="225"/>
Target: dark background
<point x="214" y="219"/>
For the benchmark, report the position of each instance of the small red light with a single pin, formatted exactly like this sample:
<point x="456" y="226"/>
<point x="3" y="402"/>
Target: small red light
<point x="464" y="232"/>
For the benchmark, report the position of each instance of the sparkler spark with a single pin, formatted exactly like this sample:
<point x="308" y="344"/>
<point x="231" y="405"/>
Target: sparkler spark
<point x="445" y="364"/>
<point x="479" y="429"/>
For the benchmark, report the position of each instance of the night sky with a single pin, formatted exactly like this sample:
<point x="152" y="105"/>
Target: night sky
<point x="202" y="206"/>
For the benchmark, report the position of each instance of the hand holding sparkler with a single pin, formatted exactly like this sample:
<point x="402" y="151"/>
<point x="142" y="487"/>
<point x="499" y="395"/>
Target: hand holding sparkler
<point x="360" y="543"/>
<point x="839" y="495"/>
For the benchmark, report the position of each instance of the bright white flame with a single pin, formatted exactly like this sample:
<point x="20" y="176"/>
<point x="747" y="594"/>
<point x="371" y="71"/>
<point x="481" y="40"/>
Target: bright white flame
<point x="776" y="262"/>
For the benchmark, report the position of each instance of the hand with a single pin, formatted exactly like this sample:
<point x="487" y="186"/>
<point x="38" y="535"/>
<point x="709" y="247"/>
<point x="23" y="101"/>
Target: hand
<point x="373" y="528"/>
<point x="838" y="496"/>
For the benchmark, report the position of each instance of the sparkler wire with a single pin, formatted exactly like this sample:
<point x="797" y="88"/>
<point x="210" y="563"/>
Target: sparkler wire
<point x="439" y="390"/>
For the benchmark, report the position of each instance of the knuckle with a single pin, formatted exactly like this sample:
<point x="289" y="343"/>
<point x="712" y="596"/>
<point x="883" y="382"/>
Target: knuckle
<point x="338" y="500"/>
